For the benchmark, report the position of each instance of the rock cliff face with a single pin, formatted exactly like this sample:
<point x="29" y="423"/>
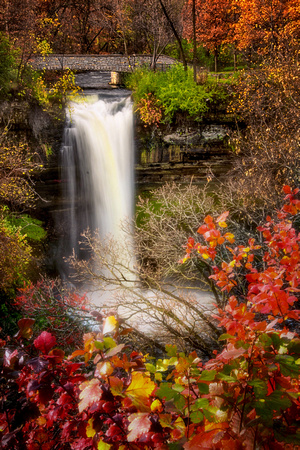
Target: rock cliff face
<point x="42" y="130"/>
<point x="199" y="151"/>
<point x="168" y="154"/>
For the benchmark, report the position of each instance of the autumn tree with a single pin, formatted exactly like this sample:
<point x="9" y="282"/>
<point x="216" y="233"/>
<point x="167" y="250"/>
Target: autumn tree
<point x="122" y="22"/>
<point x="268" y="27"/>
<point x="213" y="24"/>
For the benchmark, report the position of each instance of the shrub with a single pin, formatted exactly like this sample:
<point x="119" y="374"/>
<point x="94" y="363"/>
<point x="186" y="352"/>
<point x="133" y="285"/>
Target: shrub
<point x="8" y="65"/>
<point x="247" y="396"/>
<point x="175" y="91"/>
<point x="55" y="309"/>
<point x="15" y="258"/>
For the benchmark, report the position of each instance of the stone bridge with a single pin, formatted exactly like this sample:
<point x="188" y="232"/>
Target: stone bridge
<point x="102" y="63"/>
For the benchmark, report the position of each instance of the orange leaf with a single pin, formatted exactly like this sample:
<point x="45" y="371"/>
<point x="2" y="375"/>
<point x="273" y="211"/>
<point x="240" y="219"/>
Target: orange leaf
<point x="25" y="328"/>
<point x="221" y="219"/>
<point x="116" y="385"/>
<point x="77" y="353"/>
<point x="201" y="441"/>
<point x="140" y="389"/>
<point x="209" y="220"/>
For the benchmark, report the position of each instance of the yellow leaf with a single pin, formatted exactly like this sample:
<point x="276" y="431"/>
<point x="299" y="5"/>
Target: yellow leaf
<point x="140" y="389"/>
<point x="221" y="219"/>
<point x="180" y="425"/>
<point x="158" y="376"/>
<point x="156" y="405"/>
<point x="229" y="237"/>
<point x="42" y="421"/>
<point x="109" y="325"/>
<point x="166" y="420"/>
<point x="103" y="446"/>
<point x="90" y="432"/>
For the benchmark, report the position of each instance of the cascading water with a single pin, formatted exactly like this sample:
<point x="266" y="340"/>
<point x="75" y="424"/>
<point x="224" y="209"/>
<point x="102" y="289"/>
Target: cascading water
<point x="97" y="168"/>
<point x="97" y="171"/>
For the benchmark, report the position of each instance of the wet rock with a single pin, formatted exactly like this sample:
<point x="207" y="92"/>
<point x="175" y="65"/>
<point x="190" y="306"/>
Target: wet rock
<point x="208" y="134"/>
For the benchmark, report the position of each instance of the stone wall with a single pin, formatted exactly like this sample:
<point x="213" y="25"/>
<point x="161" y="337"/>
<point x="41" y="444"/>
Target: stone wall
<point x="105" y="63"/>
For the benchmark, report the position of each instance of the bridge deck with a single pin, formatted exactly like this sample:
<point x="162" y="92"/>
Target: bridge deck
<point x="104" y="63"/>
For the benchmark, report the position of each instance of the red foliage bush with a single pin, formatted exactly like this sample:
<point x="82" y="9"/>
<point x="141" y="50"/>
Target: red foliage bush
<point x="246" y="397"/>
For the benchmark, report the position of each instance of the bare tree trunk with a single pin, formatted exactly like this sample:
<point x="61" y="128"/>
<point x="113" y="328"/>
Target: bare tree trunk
<point x="234" y="59"/>
<point x="194" y="41"/>
<point x="177" y="37"/>
<point x="216" y="59"/>
<point x="154" y="57"/>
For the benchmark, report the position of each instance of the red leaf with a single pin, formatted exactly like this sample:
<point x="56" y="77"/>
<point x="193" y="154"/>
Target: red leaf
<point x="91" y="392"/>
<point x="286" y="189"/>
<point x="45" y="393"/>
<point x="203" y="229"/>
<point x="140" y="424"/>
<point x="231" y="352"/>
<point x="44" y="342"/>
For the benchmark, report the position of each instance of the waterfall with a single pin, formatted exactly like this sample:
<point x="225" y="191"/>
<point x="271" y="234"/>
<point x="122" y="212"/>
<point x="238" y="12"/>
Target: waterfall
<point x="97" y="172"/>
<point x="97" y="168"/>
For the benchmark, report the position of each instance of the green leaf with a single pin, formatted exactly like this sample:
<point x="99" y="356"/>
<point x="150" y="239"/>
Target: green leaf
<point x="225" y="336"/>
<point x="265" y="341"/>
<point x="277" y="401"/>
<point x="227" y="378"/>
<point x="165" y="391"/>
<point x="179" y="402"/>
<point x="178" y="387"/>
<point x="163" y="365"/>
<point x="200" y="403"/>
<point x="288" y="366"/>
<point x="294" y="346"/>
<point x="265" y="414"/>
<point x="109" y="342"/>
<point x="203" y="388"/>
<point x="150" y="367"/>
<point x="210" y="413"/>
<point x="277" y="341"/>
<point x="208" y="375"/>
<point x="196" y="416"/>
<point x="288" y="437"/>
<point x="99" y="345"/>
<point x="171" y="350"/>
<point x="260" y="387"/>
